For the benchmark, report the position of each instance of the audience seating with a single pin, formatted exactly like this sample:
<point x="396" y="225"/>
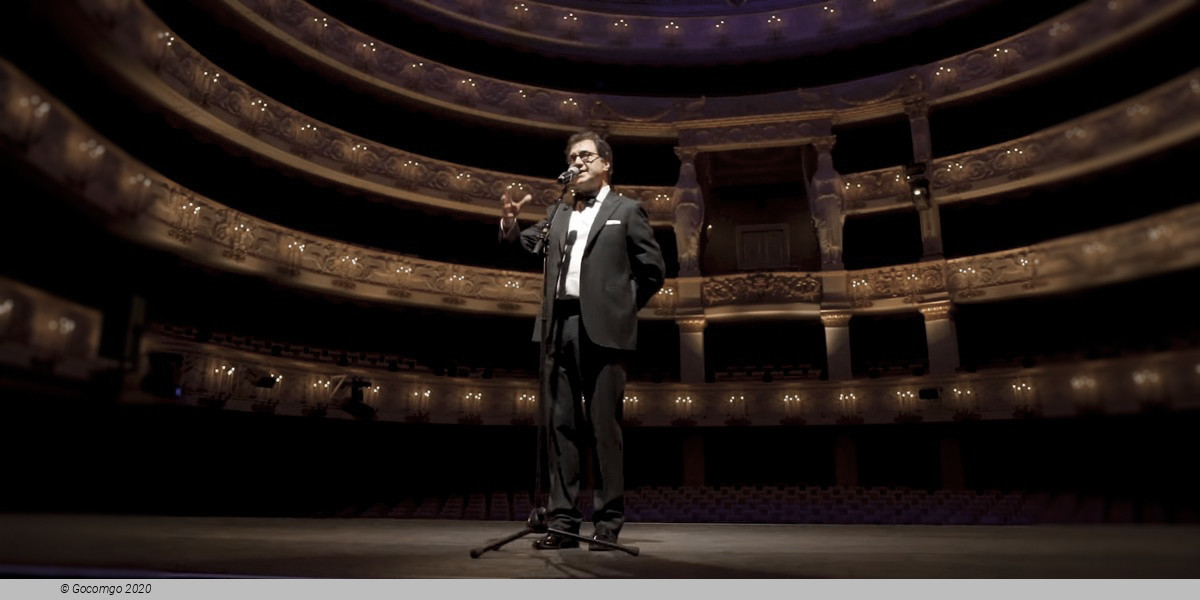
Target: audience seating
<point x="811" y="504"/>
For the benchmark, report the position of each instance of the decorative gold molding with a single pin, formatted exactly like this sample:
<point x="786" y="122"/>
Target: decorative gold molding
<point x="907" y="283"/>
<point x="1148" y="123"/>
<point x="761" y="288"/>
<point x="145" y="206"/>
<point x="691" y="31"/>
<point x="165" y="69"/>
<point x="1160" y="118"/>
<point x="941" y="311"/>
<point x="40" y="330"/>
<point x="753" y="132"/>
<point x="836" y="318"/>
<point x="1094" y="27"/>
<point x="1127" y="384"/>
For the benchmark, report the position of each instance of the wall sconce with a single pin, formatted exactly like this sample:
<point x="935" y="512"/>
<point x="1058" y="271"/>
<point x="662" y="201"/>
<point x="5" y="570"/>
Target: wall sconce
<point x="142" y="193"/>
<point x="620" y="31"/>
<point x="365" y="55"/>
<point x="84" y="161"/>
<point x="944" y="79"/>
<point x="473" y="403"/>
<point x="1006" y="59"/>
<point x="775" y="27"/>
<point x="518" y="14"/>
<point x="683" y="407"/>
<point x="206" y="83"/>
<point x="630" y="407"/>
<point x="1062" y="35"/>
<point x="1086" y="393"/>
<point x="316" y="28"/>
<point x="1148" y="385"/>
<point x="1024" y="400"/>
<point x="318" y="392"/>
<point x="258" y="116"/>
<point x="737" y="405"/>
<point x="569" y="25"/>
<point x="418" y="401"/>
<point x="792" y="405"/>
<point x="671" y="33"/>
<point x="27" y="119"/>
<point x="830" y="17"/>
<point x="860" y="292"/>
<point x="720" y="32"/>
<point x="848" y="403"/>
<point x="966" y="403"/>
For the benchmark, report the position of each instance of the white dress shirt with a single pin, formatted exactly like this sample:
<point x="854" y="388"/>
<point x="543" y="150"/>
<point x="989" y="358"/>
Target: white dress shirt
<point x="581" y="224"/>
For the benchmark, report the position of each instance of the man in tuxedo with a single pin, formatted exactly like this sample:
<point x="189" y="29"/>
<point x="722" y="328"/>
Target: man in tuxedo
<point x="602" y="266"/>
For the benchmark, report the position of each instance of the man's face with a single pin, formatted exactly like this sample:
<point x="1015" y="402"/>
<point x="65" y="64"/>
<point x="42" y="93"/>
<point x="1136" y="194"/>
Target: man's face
<point x="593" y="170"/>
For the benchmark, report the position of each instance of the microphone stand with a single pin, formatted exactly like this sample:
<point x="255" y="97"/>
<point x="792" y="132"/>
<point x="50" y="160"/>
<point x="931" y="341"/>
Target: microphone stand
<point x="540" y="247"/>
<point x="536" y="523"/>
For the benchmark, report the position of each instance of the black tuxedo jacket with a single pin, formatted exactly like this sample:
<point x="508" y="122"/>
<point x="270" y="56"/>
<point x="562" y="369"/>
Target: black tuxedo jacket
<point x="622" y="268"/>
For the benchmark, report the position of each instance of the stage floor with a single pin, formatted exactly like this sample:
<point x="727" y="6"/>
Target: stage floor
<point x="97" y="546"/>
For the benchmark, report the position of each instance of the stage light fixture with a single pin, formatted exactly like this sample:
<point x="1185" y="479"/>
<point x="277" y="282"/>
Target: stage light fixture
<point x="919" y="188"/>
<point x="918" y="185"/>
<point x="356" y="404"/>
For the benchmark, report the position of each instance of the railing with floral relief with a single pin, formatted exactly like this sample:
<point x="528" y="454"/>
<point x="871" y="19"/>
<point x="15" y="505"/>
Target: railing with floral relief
<point x="1162" y="243"/>
<point x="233" y="379"/>
<point x="48" y="334"/>
<point x="146" y="206"/>
<point x="1141" y="125"/>
<point x="1090" y="28"/>
<point x="42" y="332"/>
<point x="1162" y="117"/>
<point x="165" y="68"/>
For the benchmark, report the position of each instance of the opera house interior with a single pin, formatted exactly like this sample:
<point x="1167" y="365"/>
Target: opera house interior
<point x="928" y="261"/>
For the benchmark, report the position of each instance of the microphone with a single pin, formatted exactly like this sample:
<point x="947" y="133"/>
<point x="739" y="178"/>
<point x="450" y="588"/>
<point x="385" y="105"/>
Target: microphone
<point x="568" y="175"/>
<point x="562" y="263"/>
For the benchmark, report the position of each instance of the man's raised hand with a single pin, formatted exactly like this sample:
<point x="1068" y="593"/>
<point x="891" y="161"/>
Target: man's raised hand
<point x="510" y="208"/>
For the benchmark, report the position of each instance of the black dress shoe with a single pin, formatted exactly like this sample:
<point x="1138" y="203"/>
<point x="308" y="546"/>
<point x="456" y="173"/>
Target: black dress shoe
<point x="553" y="541"/>
<point x="603" y="534"/>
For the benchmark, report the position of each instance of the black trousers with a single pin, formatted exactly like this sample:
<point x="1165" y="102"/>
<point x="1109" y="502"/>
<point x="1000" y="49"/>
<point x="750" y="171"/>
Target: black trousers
<point x="585" y="391"/>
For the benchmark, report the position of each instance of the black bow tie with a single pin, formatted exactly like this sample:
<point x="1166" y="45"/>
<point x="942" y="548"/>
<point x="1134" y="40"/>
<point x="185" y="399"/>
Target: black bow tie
<point x="587" y="199"/>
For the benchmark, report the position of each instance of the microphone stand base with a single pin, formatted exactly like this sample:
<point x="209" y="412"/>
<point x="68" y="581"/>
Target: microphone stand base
<point x="536" y="523"/>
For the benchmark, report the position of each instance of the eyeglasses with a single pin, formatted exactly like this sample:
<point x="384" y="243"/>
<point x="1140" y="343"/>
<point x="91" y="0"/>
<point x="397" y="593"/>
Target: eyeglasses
<point x="585" y="155"/>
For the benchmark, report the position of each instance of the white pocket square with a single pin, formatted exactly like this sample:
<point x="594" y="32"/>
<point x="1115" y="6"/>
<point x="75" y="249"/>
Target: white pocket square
<point x="612" y="222"/>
